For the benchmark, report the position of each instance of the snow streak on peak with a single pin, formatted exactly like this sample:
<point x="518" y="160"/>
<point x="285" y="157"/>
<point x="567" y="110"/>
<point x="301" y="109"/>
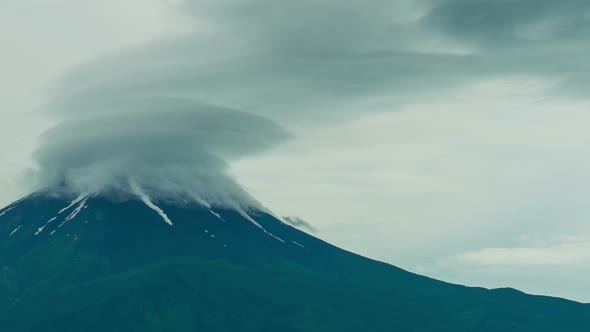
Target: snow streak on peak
<point x="13" y="205"/>
<point x="154" y="207"/>
<point x="299" y="244"/>
<point x="77" y="210"/>
<point x="47" y="223"/>
<point x="80" y="200"/>
<point x="245" y="215"/>
<point x="15" y="230"/>
<point x="149" y="203"/>
<point x="74" y="202"/>
<point x="4" y="212"/>
<point x="217" y="215"/>
<point x="40" y="229"/>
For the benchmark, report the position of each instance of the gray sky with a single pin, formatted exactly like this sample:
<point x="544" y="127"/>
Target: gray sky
<point x="446" y="137"/>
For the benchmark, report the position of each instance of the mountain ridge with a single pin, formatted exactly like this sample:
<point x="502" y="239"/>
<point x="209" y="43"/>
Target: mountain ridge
<point x="119" y="265"/>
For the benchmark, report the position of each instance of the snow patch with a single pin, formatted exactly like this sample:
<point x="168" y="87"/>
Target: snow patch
<point x="47" y="223"/>
<point x="154" y="207"/>
<point x="298" y="244"/>
<point x="77" y="210"/>
<point x="276" y="237"/>
<point x="13" y="205"/>
<point x="217" y="215"/>
<point x="74" y="202"/>
<point x="16" y="229"/>
<point x="146" y="200"/>
<point x="39" y="230"/>
<point x="247" y="217"/>
<point x="4" y="212"/>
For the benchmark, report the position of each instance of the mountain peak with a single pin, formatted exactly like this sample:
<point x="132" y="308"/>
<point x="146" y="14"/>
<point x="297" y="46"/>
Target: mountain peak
<point x="93" y="262"/>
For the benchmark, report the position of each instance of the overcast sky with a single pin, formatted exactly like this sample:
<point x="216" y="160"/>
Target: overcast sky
<point x="446" y="137"/>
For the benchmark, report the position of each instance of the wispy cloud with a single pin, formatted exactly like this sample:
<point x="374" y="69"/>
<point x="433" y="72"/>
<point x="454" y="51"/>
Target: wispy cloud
<point x="572" y="251"/>
<point x="299" y="223"/>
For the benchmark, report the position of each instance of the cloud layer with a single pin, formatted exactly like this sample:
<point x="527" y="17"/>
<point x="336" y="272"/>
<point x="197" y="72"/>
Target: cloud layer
<point x="168" y="146"/>
<point x="172" y="113"/>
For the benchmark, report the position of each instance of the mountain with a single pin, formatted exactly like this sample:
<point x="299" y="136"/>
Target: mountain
<point x="99" y="264"/>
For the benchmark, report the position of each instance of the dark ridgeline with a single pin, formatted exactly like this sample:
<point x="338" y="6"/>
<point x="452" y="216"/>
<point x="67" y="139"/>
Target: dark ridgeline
<point x="102" y="265"/>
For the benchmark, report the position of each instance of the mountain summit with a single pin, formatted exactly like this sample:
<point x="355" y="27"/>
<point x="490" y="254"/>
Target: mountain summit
<point x="95" y="263"/>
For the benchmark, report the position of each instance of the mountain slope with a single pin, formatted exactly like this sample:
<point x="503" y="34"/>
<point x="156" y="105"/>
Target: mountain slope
<point x="95" y="264"/>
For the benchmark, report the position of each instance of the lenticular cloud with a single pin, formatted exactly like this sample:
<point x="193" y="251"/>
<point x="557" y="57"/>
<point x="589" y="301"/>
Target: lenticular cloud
<point x="170" y="147"/>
